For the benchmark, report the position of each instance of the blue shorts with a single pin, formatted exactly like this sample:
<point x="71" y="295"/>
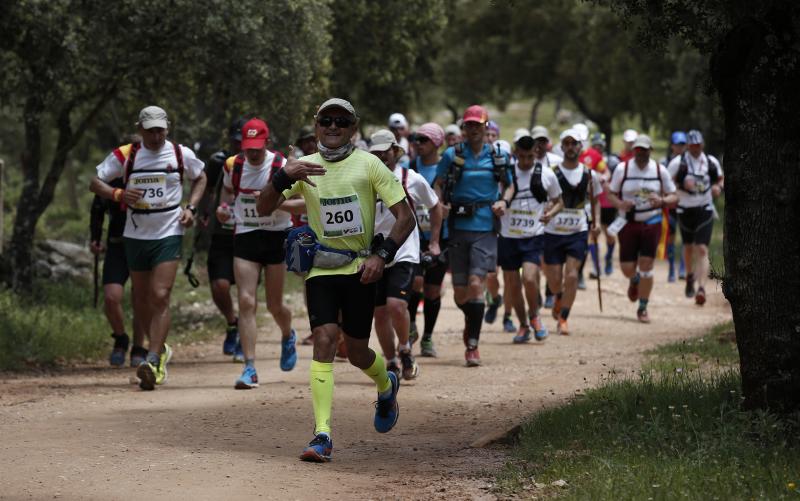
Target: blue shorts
<point x="558" y="247"/>
<point x="512" y="252"/>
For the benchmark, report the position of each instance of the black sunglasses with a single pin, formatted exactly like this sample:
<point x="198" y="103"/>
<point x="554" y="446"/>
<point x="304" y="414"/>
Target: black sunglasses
<point x="422" y="139"/>
<point x="341" y="122"/>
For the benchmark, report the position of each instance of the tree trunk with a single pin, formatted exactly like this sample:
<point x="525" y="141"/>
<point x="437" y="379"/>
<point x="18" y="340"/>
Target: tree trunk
<point x="756" y="70"/>
<point x="606" y="127"/>
<point x="21" y="246"/>
<point x="535" y="111"/>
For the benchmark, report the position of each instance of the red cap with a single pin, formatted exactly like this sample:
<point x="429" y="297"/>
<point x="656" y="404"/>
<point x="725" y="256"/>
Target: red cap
<point x="254" y="134"/>
<point x="476" y="113"/>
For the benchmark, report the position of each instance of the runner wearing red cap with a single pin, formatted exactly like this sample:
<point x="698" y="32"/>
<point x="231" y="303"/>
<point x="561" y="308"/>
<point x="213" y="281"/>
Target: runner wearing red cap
<point x="258" y="244"/>
<point x="468" y="179"/>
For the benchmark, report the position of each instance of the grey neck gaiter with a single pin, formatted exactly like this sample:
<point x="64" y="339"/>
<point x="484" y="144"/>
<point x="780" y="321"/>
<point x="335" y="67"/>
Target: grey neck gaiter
<point x="335" y="154"/>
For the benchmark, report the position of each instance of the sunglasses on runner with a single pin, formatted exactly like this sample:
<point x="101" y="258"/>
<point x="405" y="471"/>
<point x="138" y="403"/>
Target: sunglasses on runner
<point x="421" y="139"/>
<point x="341" y="122"/>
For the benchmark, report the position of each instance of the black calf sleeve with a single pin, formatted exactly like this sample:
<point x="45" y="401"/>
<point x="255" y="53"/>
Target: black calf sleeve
<point x="431" y="312"/>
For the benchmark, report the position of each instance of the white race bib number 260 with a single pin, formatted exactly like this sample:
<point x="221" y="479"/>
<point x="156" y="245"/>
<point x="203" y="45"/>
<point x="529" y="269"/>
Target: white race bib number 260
<point x="341" y="217"/>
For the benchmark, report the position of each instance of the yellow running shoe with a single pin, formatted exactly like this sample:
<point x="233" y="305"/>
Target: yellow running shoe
<point x="161" y="371"/>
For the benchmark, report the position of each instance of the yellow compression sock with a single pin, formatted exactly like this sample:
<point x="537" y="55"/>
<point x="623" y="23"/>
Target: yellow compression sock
<point x="377" y="372"/>
<point x="322" y="395"/>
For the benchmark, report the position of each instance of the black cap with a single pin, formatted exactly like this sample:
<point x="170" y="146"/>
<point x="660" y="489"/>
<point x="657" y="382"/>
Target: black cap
<point x="235" y="130"/>
<point x="525" y="142"/>
<point x="306" y="132"/>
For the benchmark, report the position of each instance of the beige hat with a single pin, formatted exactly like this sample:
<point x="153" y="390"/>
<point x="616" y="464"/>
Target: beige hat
<point x="643" y="141"/>
<point x="336" y="102"/>
<point x="382" y="140"/>
<point x="452" y="129"/>
<point x="540" y="132"/>
<point x="152" y="117"/>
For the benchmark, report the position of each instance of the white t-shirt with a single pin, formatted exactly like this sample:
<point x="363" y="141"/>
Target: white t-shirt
<point x="639" y="184"/>
<point x="521" y="219"/>
<point x="697" y="167"/>
<point x="162" y="189"/>
<point x="420" y="193"/>
<point x="549" y="159"/>
<point x="574" y="220"/>
<point x="244" y="206"/>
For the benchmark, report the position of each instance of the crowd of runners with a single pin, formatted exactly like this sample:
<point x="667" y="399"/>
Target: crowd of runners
<point x="374" y="226"/>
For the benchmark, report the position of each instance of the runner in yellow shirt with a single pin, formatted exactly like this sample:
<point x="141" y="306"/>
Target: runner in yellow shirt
<point x="340" y="205"/>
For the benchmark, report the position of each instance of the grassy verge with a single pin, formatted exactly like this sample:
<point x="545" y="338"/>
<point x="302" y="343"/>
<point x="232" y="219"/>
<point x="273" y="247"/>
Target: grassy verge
<point x="58" y="324"/>
<point x="660" y="435"/>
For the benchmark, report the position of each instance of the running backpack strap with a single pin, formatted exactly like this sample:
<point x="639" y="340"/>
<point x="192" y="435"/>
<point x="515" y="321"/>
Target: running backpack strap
<point x="537" y="187"/>
<point x="683" y="171"/>
<point x="179" y="158"/>
<point x="277" y="163"/>
<point x="405" y="188"/>
<point x="236" y="173"/>
<point x="713" y="172"/>
<point x="133" y="148"/>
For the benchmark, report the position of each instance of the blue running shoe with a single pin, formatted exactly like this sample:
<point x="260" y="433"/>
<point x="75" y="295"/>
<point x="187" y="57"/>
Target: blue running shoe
<point x="289" y="352"/>
<point x="231" y="339"/>
<point x="539" y="330"/>
<point x="508" y="324"/>
<point x="319" y="450"/>
<point x="117" y="357"/>
<point x="548" y="301"/>
<point x="671" y="276"/>
<point x="386" y="409"/>
<point x="523" y="336"/>
<point x="248" y="380"/>
<point x="238" y="353"/>
<point x="491" y="310"/>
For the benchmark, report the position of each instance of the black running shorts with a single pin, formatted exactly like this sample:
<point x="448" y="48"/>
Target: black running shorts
<point x="260" y="246"/>
<point x="220" y="258"/>
<point x="395" y="282"/>
<point x="115" y="266"/>
<point x="696" y="225"/>
<point x="328" y="295"/>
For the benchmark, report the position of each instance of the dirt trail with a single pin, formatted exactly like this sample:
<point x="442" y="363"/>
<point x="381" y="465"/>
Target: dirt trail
<point x="89" y="434"/>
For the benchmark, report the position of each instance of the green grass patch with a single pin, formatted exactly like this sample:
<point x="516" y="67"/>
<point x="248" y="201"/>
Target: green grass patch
<point x="657" y="435"/>
<point x="717" y="349"/>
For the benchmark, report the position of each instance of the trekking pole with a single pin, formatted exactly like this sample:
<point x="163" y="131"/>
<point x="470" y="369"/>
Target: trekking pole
<point x="187" y="270"/>
<point x="96" y="287"/>
<point x="593" y="204"/>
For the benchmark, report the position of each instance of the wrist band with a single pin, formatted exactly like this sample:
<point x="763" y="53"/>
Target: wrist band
<point x="388" y="250"/>
<point x="116" y="195"/>
<point x="281" y="181"/>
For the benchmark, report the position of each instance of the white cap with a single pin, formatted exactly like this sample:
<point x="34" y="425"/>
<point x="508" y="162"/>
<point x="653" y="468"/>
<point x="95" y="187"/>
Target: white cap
<point x="153" y="116"/>
<point x="643" y="141"/>
<point x="520" y="133"/>
<point x="503" y="145"/>
<point x="540" y="132"/>
<point x="398" y="121"/>
<point x="629" y="135"/>
<point x="574" y="134"/>
<point x="583" y="130"/>
<point x="452" y="129"/>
